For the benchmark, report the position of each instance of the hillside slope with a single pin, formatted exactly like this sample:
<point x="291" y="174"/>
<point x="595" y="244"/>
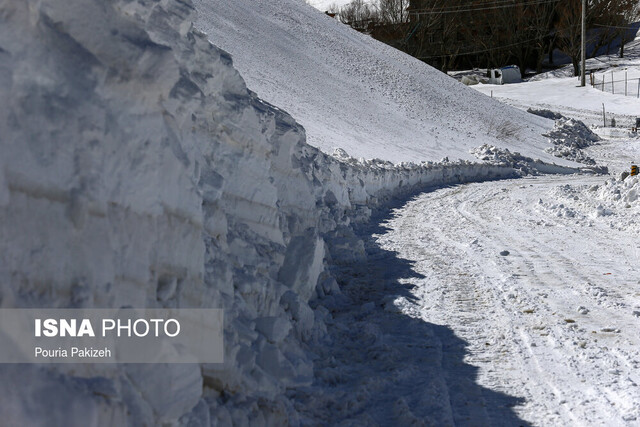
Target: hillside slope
<point x="352" y="92"/>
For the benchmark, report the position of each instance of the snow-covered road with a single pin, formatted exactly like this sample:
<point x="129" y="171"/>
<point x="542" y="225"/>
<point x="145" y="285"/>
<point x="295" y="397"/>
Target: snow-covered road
<point x="512" y="302"/>
<point x="541" y="284"/>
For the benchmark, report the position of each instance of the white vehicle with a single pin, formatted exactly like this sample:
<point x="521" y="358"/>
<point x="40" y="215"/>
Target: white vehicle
<point x="500" y="76"/>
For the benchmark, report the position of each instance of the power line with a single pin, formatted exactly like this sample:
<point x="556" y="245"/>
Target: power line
<point x="487" y="50"/>
<point x="462" y="9"/>
<point x="616" y="26"/>
<point x="478" y="51"/>
<point x="468" y="6"/>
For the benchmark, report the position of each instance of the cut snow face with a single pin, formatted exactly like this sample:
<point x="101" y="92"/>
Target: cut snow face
<point x="352" y="92"/>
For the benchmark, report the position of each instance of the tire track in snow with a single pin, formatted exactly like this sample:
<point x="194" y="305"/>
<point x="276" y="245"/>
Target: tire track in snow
<point x="456" y="294"/>
<point x="567" y="373"/>
<point x="551" y="264"/>
<point x="572" y="271"/>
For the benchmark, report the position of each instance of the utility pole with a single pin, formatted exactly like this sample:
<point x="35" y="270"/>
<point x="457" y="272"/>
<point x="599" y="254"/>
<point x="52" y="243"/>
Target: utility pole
<point x="584" y="43"/>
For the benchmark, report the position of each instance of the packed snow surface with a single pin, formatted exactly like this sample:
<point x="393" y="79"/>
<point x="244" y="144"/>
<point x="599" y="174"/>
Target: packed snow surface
<point x="352" y="92"/>
<point x="539" y="279"/>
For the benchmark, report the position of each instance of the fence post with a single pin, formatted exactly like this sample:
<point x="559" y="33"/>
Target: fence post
<point x="625" y="82"/>
<point x="604" y="117"/>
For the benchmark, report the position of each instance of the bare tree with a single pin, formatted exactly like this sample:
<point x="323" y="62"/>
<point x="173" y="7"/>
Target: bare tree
<point x="529" y="28"/>
<point x="447" y="33"/>
<point x="435" y="31"/>
<point x="604" y="15"/>
<point x="629" y="12"/>
<point x="461" y="31"/>
<point x="569" y="31"/>
<point x="358" y="14"/>
<point x="393" y="11"/>
<point x="541" y="21"/>
<point x="491" y="35"/>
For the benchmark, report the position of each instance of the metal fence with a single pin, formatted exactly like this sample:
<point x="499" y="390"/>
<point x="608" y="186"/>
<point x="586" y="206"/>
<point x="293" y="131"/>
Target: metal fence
<point x="617" y="82"/>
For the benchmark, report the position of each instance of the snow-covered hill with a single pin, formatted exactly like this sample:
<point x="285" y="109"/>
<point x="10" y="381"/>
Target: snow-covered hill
<point x="352" y="92"/>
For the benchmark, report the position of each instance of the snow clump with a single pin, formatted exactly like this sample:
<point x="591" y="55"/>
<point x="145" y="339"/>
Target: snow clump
<point x="502" y="156"/>
<point x="620" y="193"/>
<point x="569" y="137"/>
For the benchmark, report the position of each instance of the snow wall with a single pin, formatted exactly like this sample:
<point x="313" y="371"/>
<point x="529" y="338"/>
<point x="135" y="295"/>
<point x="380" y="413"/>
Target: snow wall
<point x="138" y="170"/>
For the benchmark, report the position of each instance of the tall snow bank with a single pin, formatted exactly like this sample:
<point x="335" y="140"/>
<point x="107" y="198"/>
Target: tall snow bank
<point x="138" y="170"/>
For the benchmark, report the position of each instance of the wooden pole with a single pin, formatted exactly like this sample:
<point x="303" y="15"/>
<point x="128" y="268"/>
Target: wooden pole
<point x="584" y="43"/>
<point x="613" y="84"/>
<point x="604" y="117"/>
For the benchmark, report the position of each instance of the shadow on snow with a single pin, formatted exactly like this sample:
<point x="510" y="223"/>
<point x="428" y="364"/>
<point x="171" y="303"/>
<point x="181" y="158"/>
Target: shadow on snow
<point x="382" y="366"/>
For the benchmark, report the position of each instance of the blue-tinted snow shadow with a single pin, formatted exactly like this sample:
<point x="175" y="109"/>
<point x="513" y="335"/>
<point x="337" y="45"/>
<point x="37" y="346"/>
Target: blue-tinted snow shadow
<point x="384" y="367"/>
